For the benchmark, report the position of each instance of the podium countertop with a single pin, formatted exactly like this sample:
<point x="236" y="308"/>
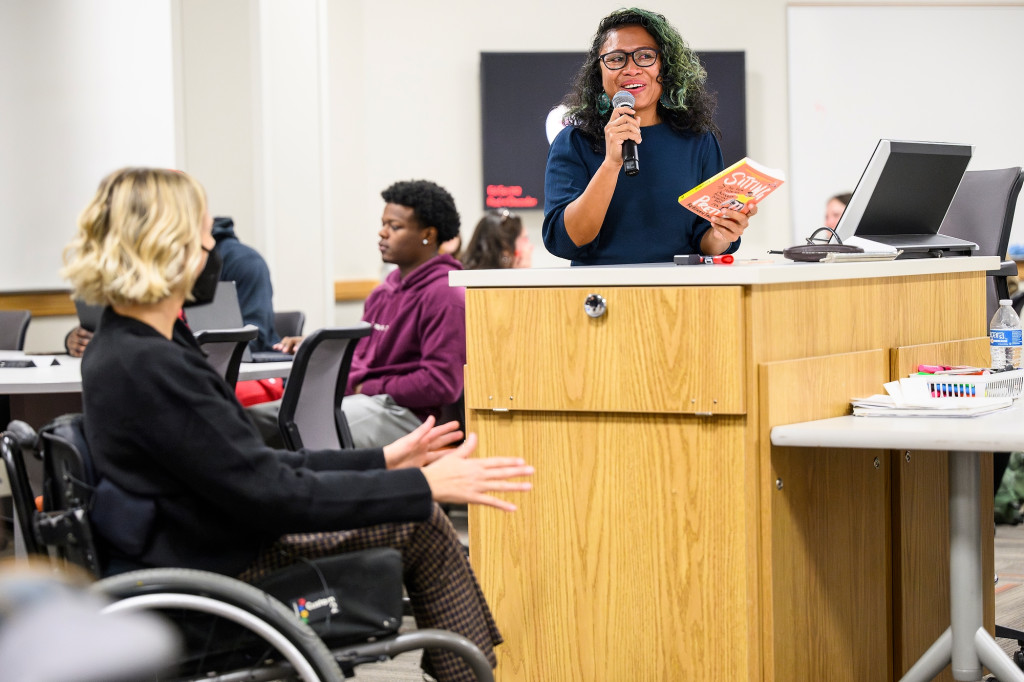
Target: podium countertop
<point x="743" y="272"/>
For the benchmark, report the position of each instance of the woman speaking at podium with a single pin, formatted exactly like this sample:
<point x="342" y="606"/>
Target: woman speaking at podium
<point x="597" y="214"/>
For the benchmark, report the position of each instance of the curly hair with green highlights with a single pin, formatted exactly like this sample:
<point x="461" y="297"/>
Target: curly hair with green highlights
<point x="684" y="104"/>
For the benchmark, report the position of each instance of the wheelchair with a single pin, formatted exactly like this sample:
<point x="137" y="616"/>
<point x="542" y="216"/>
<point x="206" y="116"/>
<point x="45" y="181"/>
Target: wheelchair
<point x="314" y="620"/>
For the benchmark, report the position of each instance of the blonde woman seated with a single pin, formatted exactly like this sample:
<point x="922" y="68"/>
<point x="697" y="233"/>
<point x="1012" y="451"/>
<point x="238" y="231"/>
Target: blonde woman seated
<point x="166" y="430"/>
<point x="499" y="241"/>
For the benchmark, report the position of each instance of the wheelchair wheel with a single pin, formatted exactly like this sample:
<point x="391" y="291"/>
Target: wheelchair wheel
<point x="231" y="630"/>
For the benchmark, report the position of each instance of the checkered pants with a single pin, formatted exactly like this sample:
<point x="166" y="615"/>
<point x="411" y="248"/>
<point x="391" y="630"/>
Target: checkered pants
<point x="438" y="578"/>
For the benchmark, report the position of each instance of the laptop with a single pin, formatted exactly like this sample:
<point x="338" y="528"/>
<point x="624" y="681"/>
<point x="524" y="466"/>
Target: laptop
<point x="903" y="195"/>
<point x="223" y="312"/>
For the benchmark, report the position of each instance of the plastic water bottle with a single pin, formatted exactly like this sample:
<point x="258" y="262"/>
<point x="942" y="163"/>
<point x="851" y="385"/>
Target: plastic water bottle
<point x="1005" y="336"/>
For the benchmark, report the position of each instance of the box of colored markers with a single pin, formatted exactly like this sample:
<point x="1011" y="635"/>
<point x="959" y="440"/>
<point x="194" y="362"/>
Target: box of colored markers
<point x="996" y="385"/>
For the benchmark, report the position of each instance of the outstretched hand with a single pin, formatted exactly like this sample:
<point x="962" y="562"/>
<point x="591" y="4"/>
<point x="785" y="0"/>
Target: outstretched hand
<point x="423" y="446"/>
<point x="454" y="478"/>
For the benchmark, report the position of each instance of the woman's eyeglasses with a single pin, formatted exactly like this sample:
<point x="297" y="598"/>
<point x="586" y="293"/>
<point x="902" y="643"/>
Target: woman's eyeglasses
<point x="643" y="58"/>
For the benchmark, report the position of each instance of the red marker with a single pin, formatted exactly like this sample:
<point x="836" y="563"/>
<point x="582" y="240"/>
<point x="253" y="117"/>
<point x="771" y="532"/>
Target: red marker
<point x="697" y="259"/>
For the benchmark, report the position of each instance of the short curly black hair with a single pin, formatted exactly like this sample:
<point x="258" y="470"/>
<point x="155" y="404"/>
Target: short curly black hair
<point x="431" y="203"/>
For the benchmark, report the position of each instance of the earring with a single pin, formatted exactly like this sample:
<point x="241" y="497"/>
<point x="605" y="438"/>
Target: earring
<point x="425" y="242"/>
<point x="604" y="103"/>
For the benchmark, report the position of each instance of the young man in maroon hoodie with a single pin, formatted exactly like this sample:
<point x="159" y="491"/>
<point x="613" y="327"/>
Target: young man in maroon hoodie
<point x="411" y="365"/>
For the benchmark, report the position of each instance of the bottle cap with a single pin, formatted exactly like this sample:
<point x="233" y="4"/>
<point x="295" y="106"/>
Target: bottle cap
<point x="1005" y="301"/>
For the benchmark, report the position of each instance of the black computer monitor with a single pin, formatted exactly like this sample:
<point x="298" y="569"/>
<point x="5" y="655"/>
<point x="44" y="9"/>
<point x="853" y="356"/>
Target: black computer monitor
<point x="904" y="193"/>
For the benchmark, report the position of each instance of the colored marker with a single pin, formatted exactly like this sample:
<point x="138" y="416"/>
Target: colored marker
<point x="697" y="259"/>
<point x="932" y="369"/>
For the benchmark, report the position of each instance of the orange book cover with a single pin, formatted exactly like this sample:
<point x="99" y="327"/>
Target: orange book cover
<point x="744" y="181"/>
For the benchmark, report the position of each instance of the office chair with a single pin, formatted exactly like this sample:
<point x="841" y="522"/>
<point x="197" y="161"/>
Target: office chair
<point x="982" y="212"/>
<point x="310" y="414"/>
<point x="231" y="630"/>
<point x="224" y="349"/>
<point x="289" y="322"/>
<point x="13" y="325"/>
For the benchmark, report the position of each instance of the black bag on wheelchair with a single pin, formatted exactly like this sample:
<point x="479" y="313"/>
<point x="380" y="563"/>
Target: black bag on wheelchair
<point x="345" y="598"/>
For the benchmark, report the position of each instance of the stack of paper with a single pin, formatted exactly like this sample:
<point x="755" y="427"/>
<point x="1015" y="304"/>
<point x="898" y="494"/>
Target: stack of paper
<point x="872" y="251"/>
<point x="836" y="257"/>
<point x="911" y="399"/>
<point x="871" y="248"/>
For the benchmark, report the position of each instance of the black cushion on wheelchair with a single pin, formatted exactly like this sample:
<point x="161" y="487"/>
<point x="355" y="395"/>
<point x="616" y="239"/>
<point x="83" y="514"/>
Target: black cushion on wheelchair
<point x="345" y="598"/>
<point x="123" y="519"/>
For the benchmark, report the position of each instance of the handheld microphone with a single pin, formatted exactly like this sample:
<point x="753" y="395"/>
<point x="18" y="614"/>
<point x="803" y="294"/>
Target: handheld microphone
<point x="629" y="158"/>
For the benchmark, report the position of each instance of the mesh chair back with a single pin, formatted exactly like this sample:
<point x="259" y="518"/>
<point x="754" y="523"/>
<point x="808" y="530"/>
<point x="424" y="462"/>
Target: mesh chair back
<point x="13" y="325"/>
<point x="310" y="414"/>
<point x="224" y="349"/>
<point x="982" y="212"/>
<point x="289" y="322"/>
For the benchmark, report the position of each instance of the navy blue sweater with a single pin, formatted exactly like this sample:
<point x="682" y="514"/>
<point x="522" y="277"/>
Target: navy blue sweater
<point x="644" y="222"/>
<point x="244" y="266"/>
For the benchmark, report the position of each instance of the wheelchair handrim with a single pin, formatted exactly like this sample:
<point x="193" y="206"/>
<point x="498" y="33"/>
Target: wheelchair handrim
<point x="218" y="608"/>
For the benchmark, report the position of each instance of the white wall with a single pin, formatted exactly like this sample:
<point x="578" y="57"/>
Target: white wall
<point x="86" y="88"/>
<point x="943" y="74"/>
<point x="215" y="49"/>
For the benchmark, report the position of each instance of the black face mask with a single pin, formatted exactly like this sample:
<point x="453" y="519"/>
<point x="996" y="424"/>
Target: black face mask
<point x="206" y="283"/>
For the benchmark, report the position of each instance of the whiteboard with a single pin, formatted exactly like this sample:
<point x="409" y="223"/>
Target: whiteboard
<point x="86" y="87"/>
<point x="858" y="74"/>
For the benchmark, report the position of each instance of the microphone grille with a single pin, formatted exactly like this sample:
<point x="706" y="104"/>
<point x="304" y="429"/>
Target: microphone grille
<point x="623" y="98"/>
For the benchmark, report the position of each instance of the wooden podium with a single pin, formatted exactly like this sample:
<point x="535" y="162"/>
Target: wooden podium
<point x="665" y="538"/>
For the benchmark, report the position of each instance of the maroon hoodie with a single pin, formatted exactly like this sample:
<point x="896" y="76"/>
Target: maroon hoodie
<point x="417" y="350"/>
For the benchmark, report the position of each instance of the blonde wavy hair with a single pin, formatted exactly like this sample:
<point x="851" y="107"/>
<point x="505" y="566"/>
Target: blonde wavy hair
<point x="139" y="238"/>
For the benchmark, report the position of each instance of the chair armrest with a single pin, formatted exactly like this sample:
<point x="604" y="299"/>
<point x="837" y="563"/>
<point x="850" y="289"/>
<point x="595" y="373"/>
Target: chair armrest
<point x="1007" y="268"/>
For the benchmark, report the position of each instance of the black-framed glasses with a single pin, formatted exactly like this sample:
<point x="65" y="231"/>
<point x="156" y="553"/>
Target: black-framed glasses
<point x="644" y="57"/>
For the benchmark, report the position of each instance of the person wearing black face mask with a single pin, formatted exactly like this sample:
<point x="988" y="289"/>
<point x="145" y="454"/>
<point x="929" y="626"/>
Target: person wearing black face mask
<point x="205" y="286"/>
<point x="244" y="266"/>
<point x="164" y="428"/>
<point x="203" y="289"/>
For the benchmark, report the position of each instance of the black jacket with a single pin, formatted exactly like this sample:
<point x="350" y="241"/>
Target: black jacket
<point x="164" y="427"/>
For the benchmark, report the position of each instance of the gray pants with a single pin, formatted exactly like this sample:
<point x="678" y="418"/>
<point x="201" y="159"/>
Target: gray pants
<point x="374" y="420"/>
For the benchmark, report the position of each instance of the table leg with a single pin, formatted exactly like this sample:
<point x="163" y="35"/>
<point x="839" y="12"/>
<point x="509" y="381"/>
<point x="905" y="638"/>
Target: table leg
<point x="965" y="600"/>
<point x="966" y="644"/>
